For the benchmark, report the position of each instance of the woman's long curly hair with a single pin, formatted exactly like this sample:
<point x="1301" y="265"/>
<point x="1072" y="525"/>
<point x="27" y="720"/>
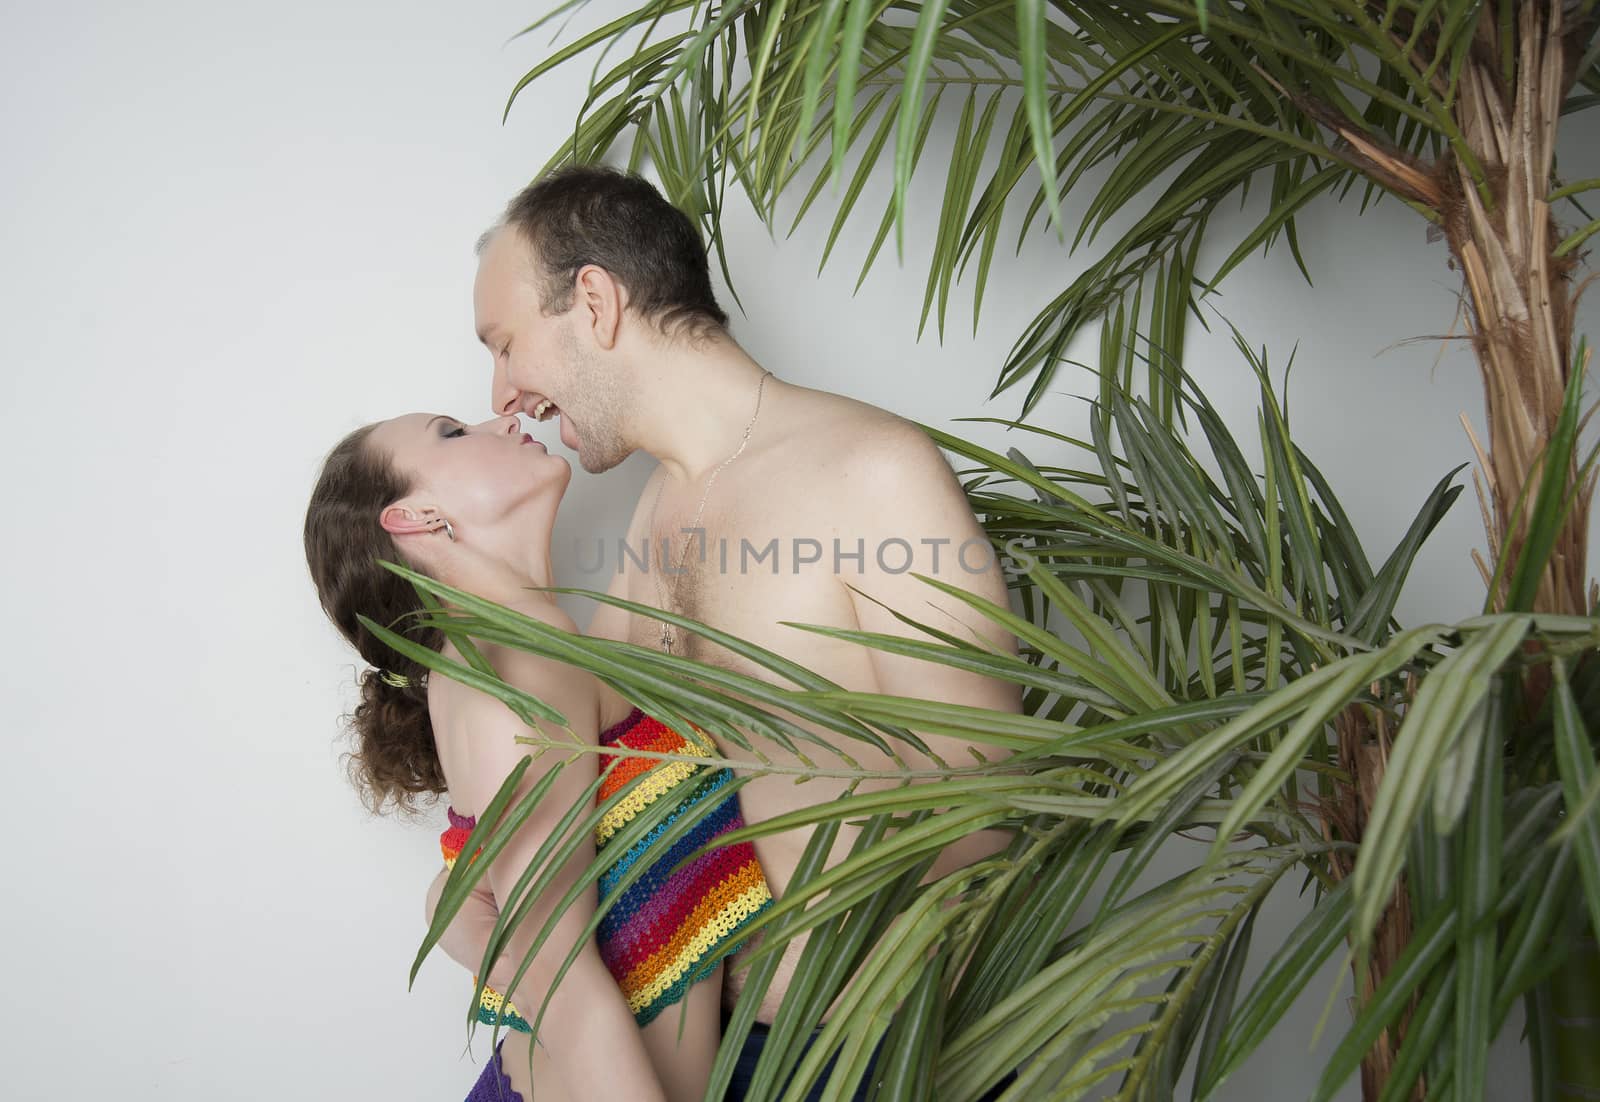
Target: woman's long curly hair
<point x="394" y="756"/>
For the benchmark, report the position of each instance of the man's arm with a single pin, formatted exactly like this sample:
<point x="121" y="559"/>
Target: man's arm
<point x="909" y="504"/>
<point x="915" y="520"/>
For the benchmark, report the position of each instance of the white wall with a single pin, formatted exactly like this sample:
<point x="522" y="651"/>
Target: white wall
<point x="232" y="234"/>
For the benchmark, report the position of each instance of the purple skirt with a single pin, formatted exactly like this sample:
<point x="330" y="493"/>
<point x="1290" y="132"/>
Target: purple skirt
<point x="493" y="1084"/>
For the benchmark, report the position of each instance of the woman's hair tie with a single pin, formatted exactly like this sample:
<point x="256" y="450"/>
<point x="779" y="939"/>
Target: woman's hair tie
<point x="396" y="680"/>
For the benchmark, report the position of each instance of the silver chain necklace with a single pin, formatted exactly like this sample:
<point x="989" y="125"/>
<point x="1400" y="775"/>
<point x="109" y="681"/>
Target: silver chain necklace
<point x="668" y="637"/>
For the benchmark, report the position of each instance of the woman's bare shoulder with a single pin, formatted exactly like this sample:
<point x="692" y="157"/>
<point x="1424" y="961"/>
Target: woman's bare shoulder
<point x="533" y="672"/>
<point x="515" y="664"/>
<point x="476" y="732"/>
<point x="569" y="690"/>
<point x="542" y="608"/>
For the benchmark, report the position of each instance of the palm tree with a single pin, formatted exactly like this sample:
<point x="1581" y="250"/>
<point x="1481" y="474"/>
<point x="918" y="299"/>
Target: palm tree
<point x="1198" y="655"/>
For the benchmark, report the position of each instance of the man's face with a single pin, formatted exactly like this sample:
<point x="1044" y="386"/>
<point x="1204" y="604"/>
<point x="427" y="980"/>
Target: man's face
<point x="546" y="365"/>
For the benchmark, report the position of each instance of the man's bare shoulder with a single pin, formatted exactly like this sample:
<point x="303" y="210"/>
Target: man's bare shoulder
<point x="848" y="440"/>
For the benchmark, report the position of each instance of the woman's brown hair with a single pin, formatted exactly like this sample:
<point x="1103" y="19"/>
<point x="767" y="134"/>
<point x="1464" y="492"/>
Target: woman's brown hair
<point x="394" y="756"/>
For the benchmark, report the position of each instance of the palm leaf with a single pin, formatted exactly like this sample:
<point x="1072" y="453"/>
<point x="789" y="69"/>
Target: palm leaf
<point x="1216" y="93"/>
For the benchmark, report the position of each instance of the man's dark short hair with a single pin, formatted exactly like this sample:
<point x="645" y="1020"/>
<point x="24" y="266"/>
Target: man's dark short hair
<point x="591" y="214"/>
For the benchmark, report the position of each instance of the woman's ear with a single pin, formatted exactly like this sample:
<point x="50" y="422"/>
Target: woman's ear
<point x="603" y="300"/>
<point x="406" y="520"/>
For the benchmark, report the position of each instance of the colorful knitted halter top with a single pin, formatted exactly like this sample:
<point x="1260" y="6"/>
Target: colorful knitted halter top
<point x="658" y="935"/>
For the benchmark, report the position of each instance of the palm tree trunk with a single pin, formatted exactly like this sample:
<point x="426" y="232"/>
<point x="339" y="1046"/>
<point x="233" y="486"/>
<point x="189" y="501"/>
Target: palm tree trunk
<point x="1502" y="234"/>
<point x="1364" y="742"/>
<point x="1519" y="297"/>
<point x="1519" y="306"/>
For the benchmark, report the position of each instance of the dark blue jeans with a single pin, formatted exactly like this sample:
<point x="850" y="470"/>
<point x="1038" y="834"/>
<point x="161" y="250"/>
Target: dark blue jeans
<point x="744" y="1072"/>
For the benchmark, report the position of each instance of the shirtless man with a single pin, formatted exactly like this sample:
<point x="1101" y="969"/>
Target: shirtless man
<point x="594" y="298"/>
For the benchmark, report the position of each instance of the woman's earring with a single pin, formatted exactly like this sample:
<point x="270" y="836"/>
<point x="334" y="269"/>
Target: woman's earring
<point x="448" y="530"/>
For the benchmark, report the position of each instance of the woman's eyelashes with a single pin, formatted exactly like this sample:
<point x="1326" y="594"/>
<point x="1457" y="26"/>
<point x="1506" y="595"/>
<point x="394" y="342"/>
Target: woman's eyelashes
<point x="458" y="430"/>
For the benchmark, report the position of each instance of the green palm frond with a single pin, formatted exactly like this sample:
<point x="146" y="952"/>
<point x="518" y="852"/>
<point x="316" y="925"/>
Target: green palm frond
<point x="1163" y="111"/>
<point x="1207" y="648"/>
<point x="1190" y="650"/>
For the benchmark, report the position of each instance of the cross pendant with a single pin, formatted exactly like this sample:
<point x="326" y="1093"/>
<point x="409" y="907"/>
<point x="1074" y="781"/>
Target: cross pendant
<point x="666" y="637"/>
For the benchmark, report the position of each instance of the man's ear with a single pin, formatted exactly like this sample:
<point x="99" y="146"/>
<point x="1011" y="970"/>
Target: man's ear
<point x="408" y="520"/>
<point x="603" y="299"/>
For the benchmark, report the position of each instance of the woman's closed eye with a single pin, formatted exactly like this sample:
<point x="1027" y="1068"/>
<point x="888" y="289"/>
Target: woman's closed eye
<point x="458" y="430"/>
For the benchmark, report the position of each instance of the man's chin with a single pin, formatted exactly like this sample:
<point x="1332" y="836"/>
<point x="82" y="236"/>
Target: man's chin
<point x="597" y="451"/>
<point x="599" y="462"/>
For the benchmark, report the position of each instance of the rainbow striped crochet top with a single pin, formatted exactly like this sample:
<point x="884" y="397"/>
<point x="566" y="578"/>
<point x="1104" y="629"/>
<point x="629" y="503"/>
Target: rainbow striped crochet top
<point x="658" y="936"/>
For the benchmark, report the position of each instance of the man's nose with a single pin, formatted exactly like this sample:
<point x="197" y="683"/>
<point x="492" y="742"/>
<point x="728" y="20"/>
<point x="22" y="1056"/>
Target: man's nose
<point x="504" y="398"/>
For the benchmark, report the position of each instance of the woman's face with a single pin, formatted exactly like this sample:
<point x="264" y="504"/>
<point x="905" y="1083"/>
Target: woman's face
<point x="478" y="477"/>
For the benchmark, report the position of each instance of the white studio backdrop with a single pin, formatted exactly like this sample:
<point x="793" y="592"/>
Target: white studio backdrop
<point x="233" y="234"/>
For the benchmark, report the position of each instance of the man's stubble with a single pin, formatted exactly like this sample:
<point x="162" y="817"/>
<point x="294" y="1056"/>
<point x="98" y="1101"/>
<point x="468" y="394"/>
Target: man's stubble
<point x="600" y="407"/>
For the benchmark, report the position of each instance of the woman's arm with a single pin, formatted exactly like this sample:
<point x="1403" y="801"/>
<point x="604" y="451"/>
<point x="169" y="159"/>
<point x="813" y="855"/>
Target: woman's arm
<point x="589" y="1030"/>
<point x="464" y="940"/>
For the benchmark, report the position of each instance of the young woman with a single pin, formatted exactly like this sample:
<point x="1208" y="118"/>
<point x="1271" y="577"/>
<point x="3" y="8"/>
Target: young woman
<point x="473" y="506"/>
